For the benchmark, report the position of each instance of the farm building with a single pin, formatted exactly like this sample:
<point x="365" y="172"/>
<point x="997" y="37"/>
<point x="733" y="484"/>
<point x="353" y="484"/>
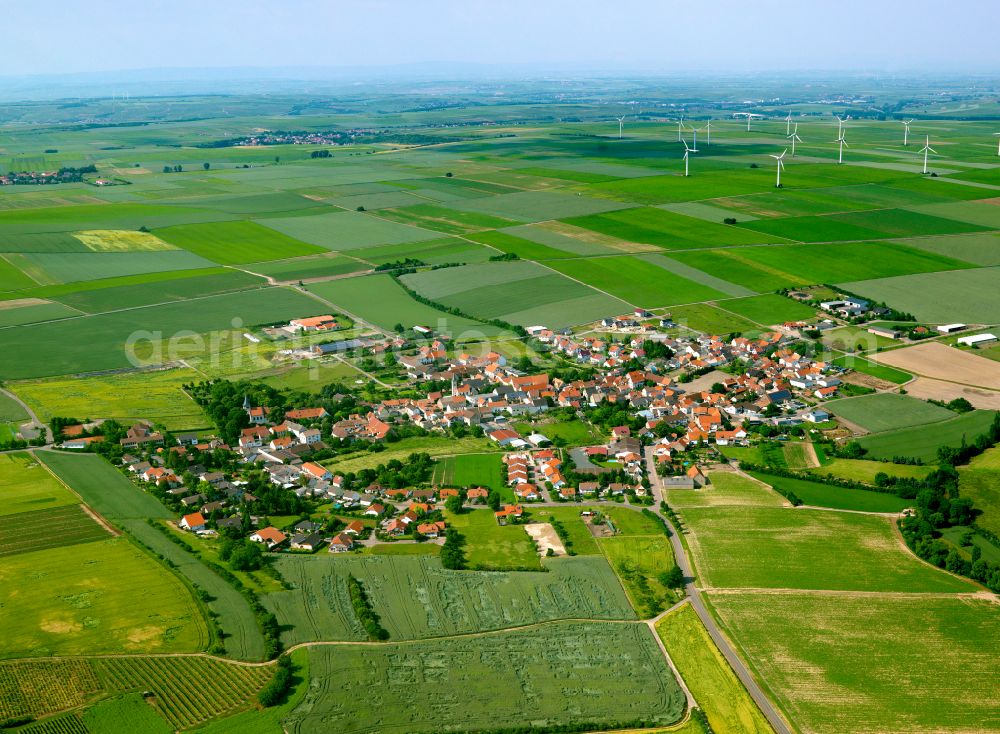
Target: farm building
<point x="977" y="340"/>
<point x="950" y="328"/>
<point x="886" y="331"/>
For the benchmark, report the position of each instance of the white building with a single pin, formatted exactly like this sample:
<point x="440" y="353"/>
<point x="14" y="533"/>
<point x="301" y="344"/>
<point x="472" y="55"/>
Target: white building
<point x="978" y="340"/>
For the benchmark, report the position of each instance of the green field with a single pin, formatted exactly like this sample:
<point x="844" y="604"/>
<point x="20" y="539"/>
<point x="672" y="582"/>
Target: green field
<point x="668" y="230"/>
<point x="381" y="301"/>
<point x="607" y="674"/>
<point x="433" y="445"/>
<point x="112" y="599"/>
<point x="726" y="488"/>
<point x="980" y="482"/>
<point x="715" y="687"/>
<point x="922" y="442"/>
<point x="229" y="243"/>
<point x="492" y="547"/>
<point x="861" y="470"/>
<point x="69" y="267"/>
<point x="142" y="291"/>
<point x="29" y="314"/>
<point x="845" y="664"/>
<point x="348" y="230"/>
<point x="415" y="598"/>
<point x="769" y="309"/>
<point x="152" y="396"/>
<point x="518" y="292"/>
<point x="26" y="485"/>
<point x="806" y="549"/>
<point x="94" y="343"/>
<point x="816" y="494"/>
<point x="888" y="412"/>
<point x="930" y="297"/>
<point x="638" y="561"/>
<point x="472" y="470"/>
<point x="113" y="496"/>
<point x="56" y="527"/>
<point x="637" y="281"/>
<point x="783" y="266"/>
<point x="881" y="371"/>
<point x="302" y="268"/>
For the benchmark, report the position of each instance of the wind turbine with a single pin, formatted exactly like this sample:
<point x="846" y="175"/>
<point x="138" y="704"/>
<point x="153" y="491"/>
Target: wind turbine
<point x="843" y="144"/>
<point x="680" y="128"/>
<point x="906" y="131"/>
<point x="621" y="125"/>
<point x="748" y="115"/>
<point x="781" y="165"/>
<point x="694" y="147"/>
<point x="998" y="144"/>
<point x="687" y="154"/>
<point x="840" y="127"/>
<point x="793" y="137"/>
<point x="927" y="149"/>
<point x="788" y="125"/>
<point x="708" y="131"/>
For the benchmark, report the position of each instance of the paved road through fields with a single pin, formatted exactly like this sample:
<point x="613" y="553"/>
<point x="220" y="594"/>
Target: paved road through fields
<point x="776" y="720"/>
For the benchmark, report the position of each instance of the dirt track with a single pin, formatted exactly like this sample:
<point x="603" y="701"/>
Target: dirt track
<point x="928" y="388"/>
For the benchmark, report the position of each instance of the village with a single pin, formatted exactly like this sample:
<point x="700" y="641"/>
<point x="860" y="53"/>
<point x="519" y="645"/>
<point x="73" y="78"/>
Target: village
<point x="682" y="402"/>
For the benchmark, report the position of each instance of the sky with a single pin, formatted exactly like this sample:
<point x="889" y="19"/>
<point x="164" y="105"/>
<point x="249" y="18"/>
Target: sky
<point x="65" y="36"/>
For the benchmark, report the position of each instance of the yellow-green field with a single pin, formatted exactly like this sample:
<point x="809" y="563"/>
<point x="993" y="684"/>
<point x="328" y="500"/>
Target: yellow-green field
<point x="114" y="240"/>
<point x="129" y="397"/>
<point x="101" y="597"/>
<point x="26" y="485"/>
<point x="708" y="676"/>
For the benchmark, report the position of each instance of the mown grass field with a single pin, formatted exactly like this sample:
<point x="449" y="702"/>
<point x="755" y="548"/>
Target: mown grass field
<point x="806" y="549"/>
<point x="847" y="664"/>
<point x="112" y="599"/>
<point x="416" y="598"/>
<point x="302" y="268"/>
<point x="472" y="470"/>
<point x="607" y="674"/>
<point x="888" y="412"/>
<point x="707" y="674"/>
<point x="432" y="445"/>
<point x="922" y="442"/>
<point x="26" y="485"/>
<point x="492" y="547"/>
<point x="726" y="488"/>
